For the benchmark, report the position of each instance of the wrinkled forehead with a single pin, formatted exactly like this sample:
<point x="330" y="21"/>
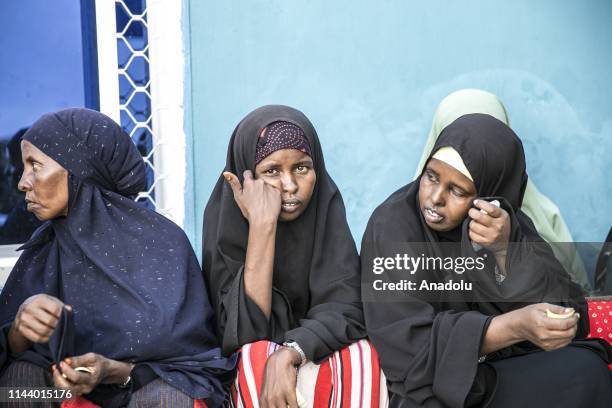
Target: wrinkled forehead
<point x="31" y="152"/>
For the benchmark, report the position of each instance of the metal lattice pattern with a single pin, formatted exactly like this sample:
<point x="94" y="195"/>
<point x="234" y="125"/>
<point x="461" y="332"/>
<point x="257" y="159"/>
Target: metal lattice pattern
<point x="135" y="85"/>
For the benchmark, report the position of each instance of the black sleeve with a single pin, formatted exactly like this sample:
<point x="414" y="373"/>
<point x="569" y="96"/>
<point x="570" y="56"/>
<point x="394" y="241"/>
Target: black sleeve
<point x="241" y="321"/>
<point x="334" y="320"/>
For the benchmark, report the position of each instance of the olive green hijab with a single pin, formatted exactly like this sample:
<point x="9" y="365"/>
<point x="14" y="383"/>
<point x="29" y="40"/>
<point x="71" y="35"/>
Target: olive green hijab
<point x="543" y="212"/>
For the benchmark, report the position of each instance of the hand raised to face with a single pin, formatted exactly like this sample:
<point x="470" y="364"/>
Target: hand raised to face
<point x="490" y="226"/>
<point x="259" y="202"/>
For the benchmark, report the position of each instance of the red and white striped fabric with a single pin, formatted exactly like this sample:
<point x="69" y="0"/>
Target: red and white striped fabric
<point x="350" y="378"/>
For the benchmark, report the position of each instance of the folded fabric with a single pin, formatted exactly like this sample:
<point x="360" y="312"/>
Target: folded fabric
<point x="61" y="342"/>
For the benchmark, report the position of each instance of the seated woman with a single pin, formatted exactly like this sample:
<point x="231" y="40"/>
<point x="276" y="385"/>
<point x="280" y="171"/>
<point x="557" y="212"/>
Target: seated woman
<point x="445" y="348"/>
<point x="542" y="211"/>
<point x="125" y="276"/>
<point x="282" y="268"/>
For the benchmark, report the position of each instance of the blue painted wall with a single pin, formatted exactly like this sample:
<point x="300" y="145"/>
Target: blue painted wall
<point x="370" y="75"/>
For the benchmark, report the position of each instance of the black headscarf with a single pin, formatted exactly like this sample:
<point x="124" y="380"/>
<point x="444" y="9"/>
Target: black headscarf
<point x="130" y="274"/>
<point x="429" y="348"/>
<point x="315" y="297"/>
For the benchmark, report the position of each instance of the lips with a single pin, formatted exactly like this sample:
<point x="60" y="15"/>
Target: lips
<point x="290" y="206"/>
<point x="432" y="216"/>
<point x="30" y="204"/>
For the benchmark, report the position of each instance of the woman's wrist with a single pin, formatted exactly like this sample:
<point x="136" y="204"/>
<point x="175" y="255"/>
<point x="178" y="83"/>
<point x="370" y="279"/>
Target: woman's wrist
<point x="503" y="331"/>
<point x="116" y="372"/>
<point x="16" y="342"/>
<point x="263" y="225"/>
<point x="500" y="258"/>
<point x="513" y="324"/>
<point x="291" y="356"/>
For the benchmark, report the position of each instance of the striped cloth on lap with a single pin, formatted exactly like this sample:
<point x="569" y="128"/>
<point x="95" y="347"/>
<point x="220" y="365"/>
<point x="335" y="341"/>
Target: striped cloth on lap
<point x="350" y="378"/>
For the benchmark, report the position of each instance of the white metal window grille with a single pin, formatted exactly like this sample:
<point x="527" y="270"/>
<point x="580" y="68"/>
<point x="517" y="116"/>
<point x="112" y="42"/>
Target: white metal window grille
<point x="141" y="67"/>
<point x="134" y="85"/>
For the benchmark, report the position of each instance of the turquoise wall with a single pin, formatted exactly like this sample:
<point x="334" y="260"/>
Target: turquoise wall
<point x="369" y="74"/>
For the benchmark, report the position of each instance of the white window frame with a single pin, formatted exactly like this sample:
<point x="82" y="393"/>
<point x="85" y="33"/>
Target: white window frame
<point x="8" y="257"/>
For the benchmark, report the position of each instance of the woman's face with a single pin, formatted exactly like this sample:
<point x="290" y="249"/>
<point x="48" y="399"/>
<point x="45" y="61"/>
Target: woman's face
<point x="445" y="195"/>
<point x="44" y="182"/>
<point x="292" y="173"/>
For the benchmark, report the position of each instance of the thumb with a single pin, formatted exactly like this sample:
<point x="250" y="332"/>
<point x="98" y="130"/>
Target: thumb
<point x="82" y="360"/>
<point x="75" y="361"/>
<point x="233" y="181"/>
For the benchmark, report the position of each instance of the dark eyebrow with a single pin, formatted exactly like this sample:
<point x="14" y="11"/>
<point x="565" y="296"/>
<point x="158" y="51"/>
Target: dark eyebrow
<point x="432" y="171"/>
<point x="304" y="162"/>
<point x="271" y="164"/>
<point x="453" y="185"/>
<point x="463" y="189"/>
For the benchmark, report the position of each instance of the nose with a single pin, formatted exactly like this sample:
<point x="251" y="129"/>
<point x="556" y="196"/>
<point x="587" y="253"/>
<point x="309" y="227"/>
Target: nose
<point x="288" y="184"/>
<point x="437" y="196"/>
<point x="24" y="184"/>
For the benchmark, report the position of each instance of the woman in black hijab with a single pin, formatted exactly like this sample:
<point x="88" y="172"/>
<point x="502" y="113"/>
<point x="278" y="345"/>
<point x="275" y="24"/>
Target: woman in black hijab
<point x="116" y="282"/>
<point x="279" y="259"/>
<point x="444" y="348"/>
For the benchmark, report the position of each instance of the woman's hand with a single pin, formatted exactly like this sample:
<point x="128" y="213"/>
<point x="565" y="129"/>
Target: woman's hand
<point x="530" y="323"/>
<point x="280" y="380"/>
<point x="259" y="202"/>
<point x="101" y="370"/>
<point x="548" y="333"/>
<point x="35" y="321"/>
<point x="491" y="228"/>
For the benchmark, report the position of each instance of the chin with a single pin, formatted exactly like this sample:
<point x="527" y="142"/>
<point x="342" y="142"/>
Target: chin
<point x="440" y="227"/>
<point x="435" y="227"/>
<point x="40" y="217"/>
<point x="289" y="217"/>
<point x="47" y="217"/>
